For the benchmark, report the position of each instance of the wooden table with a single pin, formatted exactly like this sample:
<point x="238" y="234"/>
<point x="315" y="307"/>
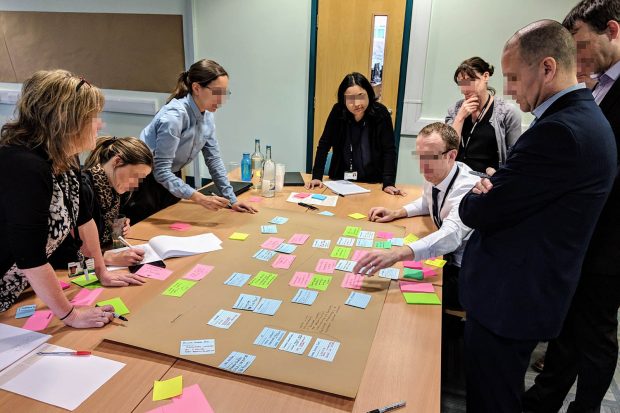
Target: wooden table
<point x="404" y="362"/>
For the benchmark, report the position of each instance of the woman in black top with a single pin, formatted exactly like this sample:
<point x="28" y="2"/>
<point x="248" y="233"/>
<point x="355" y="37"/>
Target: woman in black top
<point x="57" y="119"/>
<point x="359" y="131"/>
<point x="114" y="167"/>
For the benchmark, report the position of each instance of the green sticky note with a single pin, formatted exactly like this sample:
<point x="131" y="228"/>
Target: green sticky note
<point x="166" y="389"/>
<point x="352" y="231"/>
<point x="320" y="282"/>
<point x="422" y="298"/>
<point x="263" y="279"/>
<point x="410" y="238"/>
<point x="119" y="306"/>
<point x="383" y="244"/>
<point x="90" y="282"/>
<point x="239" y="236"/>
<point x="341" y="252"/>
<point x="179" y="287"/>
<point x="413" y="274"/>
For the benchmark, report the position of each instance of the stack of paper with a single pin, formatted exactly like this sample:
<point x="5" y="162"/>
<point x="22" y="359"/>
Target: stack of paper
<point x="16" y="342"/>
<point x="345" y="188"/>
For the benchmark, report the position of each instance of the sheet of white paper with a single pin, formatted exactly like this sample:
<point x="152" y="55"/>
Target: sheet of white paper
<point x="197" y="347"/>
<point x="329" y="201"/>
<point x="223" y="319"/>
<point x="16" y="342"/>
<point x="345" y="187"/>
<point x="63" y="381"/>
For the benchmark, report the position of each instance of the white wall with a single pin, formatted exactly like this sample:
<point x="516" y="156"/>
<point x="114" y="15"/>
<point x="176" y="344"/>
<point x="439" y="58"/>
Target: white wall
<point x="264" y="46"/>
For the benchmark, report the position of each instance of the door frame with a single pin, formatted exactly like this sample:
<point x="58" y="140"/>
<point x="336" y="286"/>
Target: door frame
<point x="314" y="12"/>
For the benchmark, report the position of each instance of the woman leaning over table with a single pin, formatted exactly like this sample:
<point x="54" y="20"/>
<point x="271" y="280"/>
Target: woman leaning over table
<point x="57" y="118"/>
<point x="359" y="131"/>
<point x="488" y="125"/>
<point x="182" y="129"/>
<point x="114" y="167"/>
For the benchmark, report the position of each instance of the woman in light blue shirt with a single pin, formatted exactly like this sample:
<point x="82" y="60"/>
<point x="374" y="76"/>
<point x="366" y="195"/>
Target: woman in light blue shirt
<point x="182" y="129"/>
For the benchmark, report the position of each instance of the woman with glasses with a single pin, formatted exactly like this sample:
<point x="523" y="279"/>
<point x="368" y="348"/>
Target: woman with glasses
<point x="360" y="134"/>
<point x="57" y="118"/>
<point x="182" y="129"/>
<point x="488" y="125"/>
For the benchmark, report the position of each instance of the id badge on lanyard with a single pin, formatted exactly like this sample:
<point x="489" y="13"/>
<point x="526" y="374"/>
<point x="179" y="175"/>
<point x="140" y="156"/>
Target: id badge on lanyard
<point x="350" y="175"/>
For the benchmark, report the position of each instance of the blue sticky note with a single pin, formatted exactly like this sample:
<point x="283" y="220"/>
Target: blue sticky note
<point x="237" y="279"/>
<point x="327" y="213"/>
<point x="361" y="242"/>
<point x="279" y="220"/>
<point x="25" y="311"/>
<point x="305" y="297"/>
<point x="269" y="337"/>
<point x="399" y="242"/>
<point x="286" y="248"/>
<point x="264" y="255"/>
<point x="358" y="300"/>
<point x="319" y="197"/>
<point x="267" y="306"/>
<point x="268" y="229"/>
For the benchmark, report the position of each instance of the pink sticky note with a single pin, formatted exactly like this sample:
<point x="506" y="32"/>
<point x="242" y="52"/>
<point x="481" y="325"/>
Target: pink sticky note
<point x="190" y="401"/>
<point x="301" y="195"/>
<point x="64" y="285"/>
<point x="353" y="281"/>
<point x="180" y="226"/>
<point x="272" y="243"/>
<point x="299" y="239"/>
<point x="151" y="271"/>
<point x="86" y="296"/>
<point x="413" y="287"/>
<point x="39" y="320"/>
<point x="198" y="272"/>
<point x="428" y="272"/>
<point x="256" y="199"/>
<point x="385" y="235"/>
<point x="358" y="255"/>
<point x="416" y="265"/>
<point x="300" y="279"/>
<point x="283" y="261"/>
<point x="325" y="266"/>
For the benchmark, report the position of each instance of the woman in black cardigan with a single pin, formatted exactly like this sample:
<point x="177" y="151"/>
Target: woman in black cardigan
<point x="360" y="133"/>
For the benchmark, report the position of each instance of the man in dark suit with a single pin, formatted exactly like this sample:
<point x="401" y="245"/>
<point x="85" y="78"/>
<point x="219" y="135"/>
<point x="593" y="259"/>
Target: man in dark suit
<point x="533" y="218"/>
<point x="587" y="346"/>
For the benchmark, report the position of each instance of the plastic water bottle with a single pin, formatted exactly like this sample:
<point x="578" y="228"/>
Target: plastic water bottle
<point x="269" y="176"/>
<point x="246" y="168"/>
<point x="257" y="164"/>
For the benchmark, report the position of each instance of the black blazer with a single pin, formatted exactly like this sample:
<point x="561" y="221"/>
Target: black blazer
<point x="380" y="135"/>
<point x="523" y="260"/>
<point x="604" y="250"/>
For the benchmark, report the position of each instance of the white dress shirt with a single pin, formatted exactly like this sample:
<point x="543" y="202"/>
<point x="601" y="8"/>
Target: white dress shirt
<point x="453" y="234"/>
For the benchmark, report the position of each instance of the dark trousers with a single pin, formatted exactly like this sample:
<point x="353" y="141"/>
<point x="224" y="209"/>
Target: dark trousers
<point x="450" y="287"/>
<point x="587" y="348"/>
<point x="148" y="199"/>
<point x="495" y="369"/>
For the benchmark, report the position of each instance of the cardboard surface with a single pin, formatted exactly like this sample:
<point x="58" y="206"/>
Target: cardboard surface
<point x="163" y="322"/>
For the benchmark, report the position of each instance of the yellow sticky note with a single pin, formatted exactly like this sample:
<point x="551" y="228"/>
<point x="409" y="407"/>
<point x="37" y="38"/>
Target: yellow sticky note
<point x="357" y="215"/>
<point x="437" y="262"/>
<point x="119" y="306"/>
<point x="179" y="287"/>
<point x="239" y="236"/>
<point x="410" y="238"/>
<point x="166" y="389"/>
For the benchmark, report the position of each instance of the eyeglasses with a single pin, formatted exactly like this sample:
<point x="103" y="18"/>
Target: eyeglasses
<point x="219" y="91"/>
<point x="351" y="99"/>
<point x="82" y="81"/>
<point x="430" y="156"/>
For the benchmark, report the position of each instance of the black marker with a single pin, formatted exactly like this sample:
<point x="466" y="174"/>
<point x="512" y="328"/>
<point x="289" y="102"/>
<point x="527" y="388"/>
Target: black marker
<point x="480" y="174"/>
<point x="303" y="204"/>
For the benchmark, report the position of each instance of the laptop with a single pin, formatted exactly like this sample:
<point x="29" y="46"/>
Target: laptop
<point x="238" y="188"/>
<point x="293" y="179"/>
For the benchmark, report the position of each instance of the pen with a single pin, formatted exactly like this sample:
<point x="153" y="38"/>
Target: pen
<point x="303" y="204"/>
<point x="116" y="315"/>
<point x="124" y="242"/>
<point x="229" y="206"/>
<point x="64" y="353"/>
<point x="480" y="174"/>
<point x="389" y="408"/>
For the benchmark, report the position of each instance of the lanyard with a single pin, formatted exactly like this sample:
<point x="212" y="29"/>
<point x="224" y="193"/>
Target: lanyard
<point x="464" y="141"/>
<point x="437" y="219"/>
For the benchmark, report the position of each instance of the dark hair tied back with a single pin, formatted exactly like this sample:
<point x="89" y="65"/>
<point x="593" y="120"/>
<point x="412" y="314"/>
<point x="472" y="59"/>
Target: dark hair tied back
<point x="472" y="68"/>
<point x="202" y="72"/>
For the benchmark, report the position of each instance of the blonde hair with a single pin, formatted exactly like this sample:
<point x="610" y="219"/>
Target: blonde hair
<point x="130" y="150"/>
<point x="54" y="108"/>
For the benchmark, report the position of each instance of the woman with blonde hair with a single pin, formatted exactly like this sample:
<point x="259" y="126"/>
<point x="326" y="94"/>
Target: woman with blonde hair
<point x="114" y="167"/>
<point x="57" y="118"/>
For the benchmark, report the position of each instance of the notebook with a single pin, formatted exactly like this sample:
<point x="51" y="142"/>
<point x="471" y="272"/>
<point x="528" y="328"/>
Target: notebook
<point x="293" y="179"/>
<point x="165" y="246"/>
<point x="239" y="187"/>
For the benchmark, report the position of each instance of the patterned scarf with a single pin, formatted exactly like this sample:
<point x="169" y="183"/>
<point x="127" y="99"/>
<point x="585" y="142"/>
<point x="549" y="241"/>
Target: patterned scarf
<point x="108" y="199"/>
